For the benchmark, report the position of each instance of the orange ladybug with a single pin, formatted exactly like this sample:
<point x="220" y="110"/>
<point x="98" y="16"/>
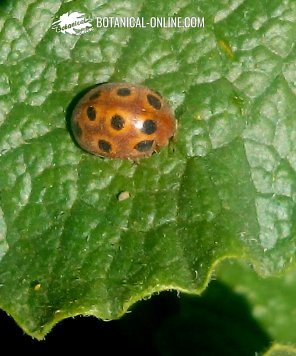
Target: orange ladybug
<point x="120" y="120"/>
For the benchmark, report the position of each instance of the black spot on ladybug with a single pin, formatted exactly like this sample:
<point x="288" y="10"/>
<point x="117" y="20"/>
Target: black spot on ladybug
<point x="105" y="145"/>
<point x="91" y="113"/>
<point x="77" y="129"/>
<point x="123" y="92"/>
<point x="149" y="127"/>
<point x="95" y="95"/>
<point x="117" y="122"/>
<point x="154" y="101"/>
<point x="144" y="146"/>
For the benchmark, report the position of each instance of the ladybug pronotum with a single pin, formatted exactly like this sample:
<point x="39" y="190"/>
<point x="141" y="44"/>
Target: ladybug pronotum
<point x="120" y="120"/>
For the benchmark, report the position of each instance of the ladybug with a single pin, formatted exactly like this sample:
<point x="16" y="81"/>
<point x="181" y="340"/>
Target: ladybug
<point x="120" y="120"/>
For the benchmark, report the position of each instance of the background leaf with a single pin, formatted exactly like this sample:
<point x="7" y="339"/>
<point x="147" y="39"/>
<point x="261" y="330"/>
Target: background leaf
<point x="271" y="300"/>
<point x="227" y="189"/>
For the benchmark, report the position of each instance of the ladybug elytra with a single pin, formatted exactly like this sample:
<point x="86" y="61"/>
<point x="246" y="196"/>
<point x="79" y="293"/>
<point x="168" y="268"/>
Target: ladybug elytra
<point x="120" y="120"/>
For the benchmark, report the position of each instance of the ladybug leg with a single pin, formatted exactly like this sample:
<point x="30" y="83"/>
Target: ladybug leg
<point x="156" y="149"/>
<point x="136" y="161"/>
<point x="172" y="145"/>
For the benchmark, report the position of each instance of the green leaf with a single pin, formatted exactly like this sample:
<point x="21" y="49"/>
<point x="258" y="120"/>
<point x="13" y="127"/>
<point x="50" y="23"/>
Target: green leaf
<point x="281" y="350"/>
<point x="224" y="188"/>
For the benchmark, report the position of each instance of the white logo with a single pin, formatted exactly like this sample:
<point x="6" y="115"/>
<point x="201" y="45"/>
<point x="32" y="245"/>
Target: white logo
<point x="74" y="23"/>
